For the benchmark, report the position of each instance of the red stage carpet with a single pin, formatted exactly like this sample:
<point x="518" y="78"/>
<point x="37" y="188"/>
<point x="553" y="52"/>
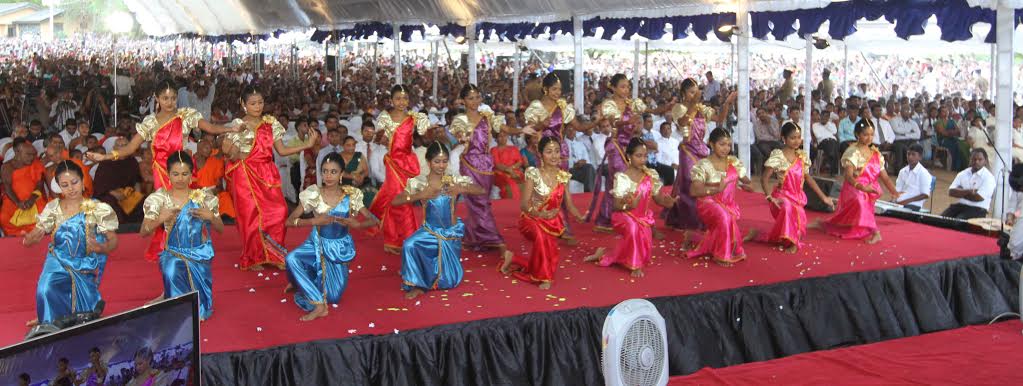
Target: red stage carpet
<point x="250" y="310"/>
<point x="976" y="355"/>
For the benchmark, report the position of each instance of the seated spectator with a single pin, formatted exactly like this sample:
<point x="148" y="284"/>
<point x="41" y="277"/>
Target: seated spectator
<point x="508" y="166"/>
<point x="973" y="187"/>
<point x="667" y="154"/>
<point x="23" y="190"/>
<point x="914" y="181"/>
<point x="826" y="135"/>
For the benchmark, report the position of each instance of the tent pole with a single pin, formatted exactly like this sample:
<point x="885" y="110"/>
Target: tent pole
<point x="1005" y="24"/>
<point x="470" y="30"/>
<point x="635" y="72"/>
<point x="845" y="69"/>
<point x="517" y="79"/>
<point x="807" y="99"/>
<point x="338" y="66"/>
<point x="434" y="55"/>
<point x="396" y="38"/>
<point x="647" y="61"/>
<point x="577" y="39"/>
<point x="992" y="84"/>
<point x="742" y="50"/>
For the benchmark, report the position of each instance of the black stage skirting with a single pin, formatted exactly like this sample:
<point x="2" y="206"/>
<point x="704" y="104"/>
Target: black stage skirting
<point x="714" y="329"/>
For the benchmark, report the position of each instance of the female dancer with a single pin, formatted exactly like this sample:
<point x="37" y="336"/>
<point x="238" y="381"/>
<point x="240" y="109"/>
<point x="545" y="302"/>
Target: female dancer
<point x="96" y="374"/>
<point x="318" y="269"/>
<point x="787" y="199"/>
<point x="83" y="235"/>
<point x="431" y="257"/>
<point x="715" y="179"/>
<point x="540" y="222"/>
<point x="691" y="118"/>
<point x="475" y="127"/>
<point x="626" y="116"/>
<point x="634" y="189"/>
<point x="255" y="183"/>
<point x="167" y="131"/>
<point x="862" y="166"/>
<point x="398" y="221"/>
<point x="187" y="215"/>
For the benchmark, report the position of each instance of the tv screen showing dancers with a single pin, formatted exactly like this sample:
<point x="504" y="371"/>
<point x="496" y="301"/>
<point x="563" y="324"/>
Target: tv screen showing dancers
<point x="153" y="346"/>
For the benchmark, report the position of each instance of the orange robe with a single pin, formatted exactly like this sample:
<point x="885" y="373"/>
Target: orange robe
<point x="24" y="181"/>
<point x="210" y="175"/>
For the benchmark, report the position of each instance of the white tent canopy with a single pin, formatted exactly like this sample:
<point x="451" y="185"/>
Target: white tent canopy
<point x="161" y="18"/>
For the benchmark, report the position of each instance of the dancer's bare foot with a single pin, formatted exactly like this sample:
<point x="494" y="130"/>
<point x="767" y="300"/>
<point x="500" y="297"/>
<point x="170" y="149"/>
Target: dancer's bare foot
<point x="506" y="263"/>
<point x="392" y="250"/>
<point x="723" y="263"/>
<point x="816" y="224"/>
<point x="545" y="285"/>
<point x="289" y="288"/>
<point x="414" y="293"/>
<point x="570" y="241"/>
<point x="318" y="312"/>
<point x="874" y="238"/>
<point x="751" y="235"/>
<point x="601" y="229"/>
<point x="658" y="235"/>
<point x="596" y="255"/>
<point x="155" y="300"/>
<point x="792" y="249"/>
<point x="32" y="323"/>
<point x="256" y="268"/>
<point x="637" y="273"/>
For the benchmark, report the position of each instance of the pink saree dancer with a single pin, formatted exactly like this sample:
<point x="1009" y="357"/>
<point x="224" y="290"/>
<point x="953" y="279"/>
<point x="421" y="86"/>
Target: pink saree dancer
<point x="787" y="210"/>
<point x="854" y="218"/>
<point x="636" y="225"/>
<point x="719" y="212"/>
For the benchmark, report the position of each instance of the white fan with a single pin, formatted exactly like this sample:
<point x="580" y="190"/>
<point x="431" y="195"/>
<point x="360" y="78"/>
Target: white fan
<point x="635" y="345"/>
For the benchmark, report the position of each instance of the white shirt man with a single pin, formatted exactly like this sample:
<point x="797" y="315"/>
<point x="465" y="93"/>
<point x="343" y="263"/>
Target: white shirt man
<point x="883" y="133"/>
<point x="905" y="128"/>
<point x="974" y="180"/>
<point x="667" y="149"/>
<point x="824" y="131"/>
<point x="599" y="140"/>
<point x="455" y="160"/>
<point x="914" y="180"/>
<point x="376" y="162"/>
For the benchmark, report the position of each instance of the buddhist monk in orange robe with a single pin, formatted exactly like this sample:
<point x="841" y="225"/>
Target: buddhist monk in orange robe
<point x="22" y="179"/>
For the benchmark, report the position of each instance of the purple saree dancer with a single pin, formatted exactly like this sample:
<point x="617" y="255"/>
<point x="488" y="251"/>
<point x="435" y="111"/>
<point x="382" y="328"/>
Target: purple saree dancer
<point x="478" y="164"/>
<point x="626" y="116"/>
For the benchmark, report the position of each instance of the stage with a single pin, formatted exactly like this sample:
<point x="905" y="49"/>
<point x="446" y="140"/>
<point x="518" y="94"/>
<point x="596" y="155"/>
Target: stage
<point x="252" y="312"/>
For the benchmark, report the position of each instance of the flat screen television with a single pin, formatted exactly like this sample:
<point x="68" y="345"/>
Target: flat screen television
<point x="155" y="345"/>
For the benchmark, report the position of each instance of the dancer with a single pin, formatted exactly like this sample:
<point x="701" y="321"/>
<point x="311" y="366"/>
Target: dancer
<point x="96" y="374"/>
<point x="862" y="166"/>
<point x="318" y="269"/>
<point x="83" y="234"/>
<point x="542" y="196"/>
<point x="431" y="257"/>
<point x="715" y="179"/>
<point x="626" y="117"/>
<point x="187" y="215"/>
<point x="634" y="189"/>
<point x="167" y="131"/>
<point x="145" y="373"/>
<point x="255" y="182"/>
<point x="398" y="221"/>
<point x="792" y="166"/>
<point x="691" y="118"/>
<point x="474" y="127"/>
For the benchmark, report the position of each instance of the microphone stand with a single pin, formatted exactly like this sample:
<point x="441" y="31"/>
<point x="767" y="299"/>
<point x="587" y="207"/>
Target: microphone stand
<point x="1006" y="167"/>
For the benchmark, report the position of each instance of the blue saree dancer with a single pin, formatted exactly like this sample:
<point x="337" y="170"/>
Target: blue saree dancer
<point x="431" y="257"/>
<point x="187" y="216"/>
<point x="83" y="234"/>
<point x="186" y="257"/>
<point x="318" y="268"/>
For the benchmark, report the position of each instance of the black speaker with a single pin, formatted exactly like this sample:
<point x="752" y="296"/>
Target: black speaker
<point x="331" y="63"/>
<point x="829" y="186"/>
<point x="567" y="82"/>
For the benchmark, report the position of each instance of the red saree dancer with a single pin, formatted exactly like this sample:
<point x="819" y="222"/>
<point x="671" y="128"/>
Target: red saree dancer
<point x="719" y="211"/>
<point x="854" y="218"/>
<point x="255" y="186"/>
<point x="397" y="222"/>
<point x="542" y="225"/>
<point x="165" y="140"/>
<point x="635" y="225"/>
